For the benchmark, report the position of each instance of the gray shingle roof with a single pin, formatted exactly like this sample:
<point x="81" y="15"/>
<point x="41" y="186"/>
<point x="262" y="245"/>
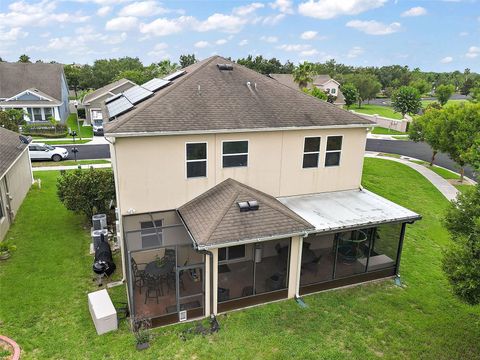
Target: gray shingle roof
<point x="105" y="89"/>
<point x="10" y="149"/>
<point x="209" y="99"/>
<point x="214" y="217"/>
<point x="17" y="77"/>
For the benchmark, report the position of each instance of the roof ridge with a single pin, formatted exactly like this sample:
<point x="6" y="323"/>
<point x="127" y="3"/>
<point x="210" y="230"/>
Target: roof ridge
<point x="168" y="89"/>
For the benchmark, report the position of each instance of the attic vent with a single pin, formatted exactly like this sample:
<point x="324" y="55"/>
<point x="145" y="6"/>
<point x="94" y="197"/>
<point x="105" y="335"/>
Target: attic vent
<point x="227" y="67"/>
<point x="250" y="205"/>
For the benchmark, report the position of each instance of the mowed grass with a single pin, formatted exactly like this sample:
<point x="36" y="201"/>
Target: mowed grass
<point x="385" y="111"/>
<point x="44" y="286"/>
<point x="85" y="131"/>
<point x="449" y="102"/>
<point x="64" y="142"/>
<point x="378" y="130"/>
<point x="444" y="173"/>
<point x="68" y="163"/>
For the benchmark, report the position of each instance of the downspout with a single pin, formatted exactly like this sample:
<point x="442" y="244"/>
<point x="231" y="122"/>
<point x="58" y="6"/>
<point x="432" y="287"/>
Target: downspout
<point x="299" y="266"/>
<point x="210" y="255"/>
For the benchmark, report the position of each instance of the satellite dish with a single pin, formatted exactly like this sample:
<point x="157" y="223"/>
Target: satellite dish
<point x="24" y="139"/>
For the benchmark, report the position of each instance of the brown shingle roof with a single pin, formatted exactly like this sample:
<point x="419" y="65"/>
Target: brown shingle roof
<point x="214" y="217"/>
<point x="209" y="99"/>
<point x="105" y="89"/>
<point x="10" y="149"/>
<point x="17" y="77"/>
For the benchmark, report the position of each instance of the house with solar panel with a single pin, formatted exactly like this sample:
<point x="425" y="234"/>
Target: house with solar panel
<point x="234" y="190"/>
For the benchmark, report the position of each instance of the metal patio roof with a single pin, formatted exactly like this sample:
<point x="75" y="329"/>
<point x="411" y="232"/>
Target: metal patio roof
<point x="342" y="210"/>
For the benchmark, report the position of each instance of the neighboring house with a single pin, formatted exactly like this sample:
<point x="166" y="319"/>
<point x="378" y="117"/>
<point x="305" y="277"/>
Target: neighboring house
<point x="234" y="190"/>
<point x="324" y="82"/>
<point x="15" y="177"/>
<point x="93" y="101"/>
<point x="40" y="90"/>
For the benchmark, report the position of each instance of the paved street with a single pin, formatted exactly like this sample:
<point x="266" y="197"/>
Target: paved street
<point x="408" y="148"/>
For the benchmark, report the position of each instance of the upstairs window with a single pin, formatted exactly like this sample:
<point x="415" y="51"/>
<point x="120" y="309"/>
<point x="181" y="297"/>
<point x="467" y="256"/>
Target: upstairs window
<point x="151" y="233"/>
<point x="311" y="152"/>
<point x="334" y="150"/>
<point x="333" y="91"/>
<point x="196" y="154"/>
<point x="235" y="153"/>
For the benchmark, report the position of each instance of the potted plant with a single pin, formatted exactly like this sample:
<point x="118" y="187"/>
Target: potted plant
<point x="5" y="249"/>
<point x="141" y="331"/>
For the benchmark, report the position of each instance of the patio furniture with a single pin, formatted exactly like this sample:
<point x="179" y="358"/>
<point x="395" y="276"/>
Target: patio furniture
<point x="223" y="294"/>
<point x="247" y="291"/>
<point x="275" y="282"/>
<point x="154" y="288"/>
<point x="313" y="266"/>
<point x="138" y="276"/>
<point x="155" y="269"/>
<point x="349" y="246"/>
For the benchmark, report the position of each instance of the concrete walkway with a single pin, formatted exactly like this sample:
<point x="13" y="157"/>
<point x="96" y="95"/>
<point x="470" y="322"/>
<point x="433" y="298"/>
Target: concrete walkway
<point x="447" y="189"/>
<point x="71" y="167"/>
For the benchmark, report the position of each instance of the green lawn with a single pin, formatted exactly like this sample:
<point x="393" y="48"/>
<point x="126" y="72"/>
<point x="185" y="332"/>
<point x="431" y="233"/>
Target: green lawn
<point x="64" y="142"/>
<point x="444" y="173"/>
<point x="449" y="102"/>
<point x="68" y="162"/>
<point x="464" y="187"/>
<point x="384" y="131"/>
<point x="85" y="131"/>
<point x="43" y="302"/>
<point x="385" y="111"/>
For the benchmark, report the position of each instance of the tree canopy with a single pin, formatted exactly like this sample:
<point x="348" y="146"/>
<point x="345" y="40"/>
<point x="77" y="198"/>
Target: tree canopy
<point x="443" y="93"/>
<point x="11" y="119"/>
<point x="406" y="100"/>
<point x="350" y="93"/>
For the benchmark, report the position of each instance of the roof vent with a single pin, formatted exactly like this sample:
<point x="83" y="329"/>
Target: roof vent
<point x="250" y="205"/>
<point x="227" y="67"/>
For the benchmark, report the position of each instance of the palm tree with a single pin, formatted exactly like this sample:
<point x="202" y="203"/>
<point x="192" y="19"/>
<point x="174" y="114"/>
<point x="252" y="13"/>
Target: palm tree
<point x="303" y="74"/>
<point x="24" y="58"/>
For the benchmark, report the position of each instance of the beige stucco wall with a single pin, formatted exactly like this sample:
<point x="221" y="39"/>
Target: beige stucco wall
<point x="152" y="172"/>
<point x="18" y="181"/>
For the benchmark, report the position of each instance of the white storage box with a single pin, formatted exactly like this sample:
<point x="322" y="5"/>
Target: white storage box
<point x="103" y="312"/>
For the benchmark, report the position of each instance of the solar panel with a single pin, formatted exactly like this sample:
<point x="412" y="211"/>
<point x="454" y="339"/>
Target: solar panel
<point x="136" y="94"/>
<point x="155" y="84"/>
<point x="110" y="99"/>
<point x="175" y="75"/>
<point x="118" y="106"/>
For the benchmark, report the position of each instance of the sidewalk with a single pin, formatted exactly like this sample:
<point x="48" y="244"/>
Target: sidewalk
<point x="386" y="137"/>
<point x="447" y="189"/>
<point x="71" y="167"/>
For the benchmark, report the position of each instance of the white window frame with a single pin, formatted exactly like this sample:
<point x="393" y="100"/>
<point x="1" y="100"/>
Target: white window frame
<point x="187" y="161"/>
<point x="236" y="154"/>
<point x="333" y="91"/>
<point x="44" y="116"/>
<point x="160" y="232"/>
<point x="311" y="152"/>
<point x="96" y="110"/>
<point x="332" y="151"/>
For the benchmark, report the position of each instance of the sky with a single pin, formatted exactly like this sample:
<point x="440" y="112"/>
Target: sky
<point x="432" y="35"/>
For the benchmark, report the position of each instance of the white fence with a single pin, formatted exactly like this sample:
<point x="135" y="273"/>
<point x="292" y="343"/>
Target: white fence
<point x="393" y="124"/>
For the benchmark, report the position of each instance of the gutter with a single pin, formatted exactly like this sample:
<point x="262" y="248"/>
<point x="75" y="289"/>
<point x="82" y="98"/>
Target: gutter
<point x="223" y="131"/>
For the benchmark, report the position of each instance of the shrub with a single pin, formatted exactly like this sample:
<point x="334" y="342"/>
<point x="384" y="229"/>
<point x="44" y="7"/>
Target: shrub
<point x="45" y="130"/>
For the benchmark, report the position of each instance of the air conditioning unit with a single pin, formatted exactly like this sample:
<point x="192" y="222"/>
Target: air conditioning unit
<point x="97" y="236"/>
<point x="99" y="221"/>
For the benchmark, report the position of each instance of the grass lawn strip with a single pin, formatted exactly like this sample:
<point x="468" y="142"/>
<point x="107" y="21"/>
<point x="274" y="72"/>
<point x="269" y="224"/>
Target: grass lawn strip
<point x="44" y="286"/>
<point x="385" y="111"/>
<point x="85" y="131"/>
<point x="384" y="131"/>
<point x="68" y="163"/>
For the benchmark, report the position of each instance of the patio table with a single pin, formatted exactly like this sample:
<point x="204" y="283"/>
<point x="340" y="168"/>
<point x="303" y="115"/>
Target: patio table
<point x="156" y="271"/>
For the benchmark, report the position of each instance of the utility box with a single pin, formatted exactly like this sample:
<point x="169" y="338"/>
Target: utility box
<point x="103" y="312"/>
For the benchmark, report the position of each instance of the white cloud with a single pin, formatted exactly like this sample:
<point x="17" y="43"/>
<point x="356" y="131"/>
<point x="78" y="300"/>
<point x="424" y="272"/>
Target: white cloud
<point x="272" y="19"/>
<point x="221" y="41"/>
<point x="142" y="8"/>
<point x="284" y="6"/>
<point x="104" y="10"/>
<point x="15" y="33"/>
<point x="415" y="11"/>
<point x="355" y="51"/>
<point x="310" y="52"/>
<point x="201" y="44"/>
<point x="222" y="22"/>
<point x="269" y="39"/>
<point x="373" y="27"/>
<point x="41" y="13"/>
<point x="446" y="60"/>
<point x="463" y="33"/>
<point x="473" y="52"/>
<point x="243" y="42"/>
<point x="122" y="23"/>
<point x="309" y="35"/>
<point x="247" y="9"/>
<point x="159" y="50"/>
<point x="294" y="47"/>
<point x="329" y="9"/>
<point x="164" y="27"/>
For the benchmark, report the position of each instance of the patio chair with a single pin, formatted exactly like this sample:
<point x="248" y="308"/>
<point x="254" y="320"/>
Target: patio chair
<point x="138" y="276"/>
<point x="154" y="288"/>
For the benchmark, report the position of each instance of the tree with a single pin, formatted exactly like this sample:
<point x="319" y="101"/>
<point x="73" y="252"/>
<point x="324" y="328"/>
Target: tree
<point x="303" y="74"/>
<point x="137" y="76"/>
<point x="11" y="119"/>
<point x="422" y="86"/>
<point x="461" y="262"/>
<point x="24" y="59"/>
<point x="428" y="128"/>
<point x="72" y="73"/>
<point x="186" y="60"/>
<point x="87" y="191"/>
<point x="443" y="93"/>
<point x="350" y="93"/>
<point x="475" y="94"/>
<point x="316" y="92"/>
<point x="468" y="84"/>
<point x="367" y="86"/>
<point x="406" y="100"/>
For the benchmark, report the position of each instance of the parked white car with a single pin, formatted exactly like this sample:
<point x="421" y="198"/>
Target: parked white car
<point x="41" y="151"/>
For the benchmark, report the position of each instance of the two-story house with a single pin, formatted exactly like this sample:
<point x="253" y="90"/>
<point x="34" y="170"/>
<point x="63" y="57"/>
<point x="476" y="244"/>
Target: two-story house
<point x="235" y="190"/>
<point x="39" y="89"/>
<point x="324" y="82"/>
